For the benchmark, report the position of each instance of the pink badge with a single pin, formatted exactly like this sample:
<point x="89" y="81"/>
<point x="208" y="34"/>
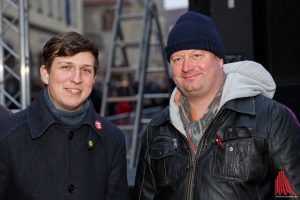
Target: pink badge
<point x="98" y="125"/>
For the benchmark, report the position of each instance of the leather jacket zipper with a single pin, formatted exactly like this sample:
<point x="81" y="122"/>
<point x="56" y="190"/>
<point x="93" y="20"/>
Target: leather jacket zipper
<point x="175" y="143"/>
<point x="192" y="161"/>
<point x="191" y="180"/>
<point x="206" y="134"/>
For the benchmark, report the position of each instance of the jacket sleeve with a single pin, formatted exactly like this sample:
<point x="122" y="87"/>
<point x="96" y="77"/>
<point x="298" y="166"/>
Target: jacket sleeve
<point x="117" y="182"/>
<point x="145" y="188"/>
<point x="3" y="176"/>
<point x="285" y="144"/>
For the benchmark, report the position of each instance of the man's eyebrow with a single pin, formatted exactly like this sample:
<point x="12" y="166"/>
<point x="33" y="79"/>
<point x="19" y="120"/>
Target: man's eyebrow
<point x="87" y="65"/>
<point x="196" y="50"/>
<point x="70" y="63"/>
<point x="64" y="62"/>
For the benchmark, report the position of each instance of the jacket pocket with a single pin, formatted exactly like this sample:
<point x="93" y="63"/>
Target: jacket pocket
<point x="162" y="153"/>
<point x="232" y="161"/>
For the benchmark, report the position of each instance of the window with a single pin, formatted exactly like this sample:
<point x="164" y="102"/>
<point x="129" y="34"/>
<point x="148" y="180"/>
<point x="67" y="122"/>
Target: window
<point x="38" y="6"/>
<point x="107" y="20"/>
<point x="68" y="12"/>
<point x="49" y="8"/>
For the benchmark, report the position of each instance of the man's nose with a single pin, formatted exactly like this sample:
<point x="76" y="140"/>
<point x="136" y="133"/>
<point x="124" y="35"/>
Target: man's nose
<point x="186" y="65"/>
<point x="76" y="76"/>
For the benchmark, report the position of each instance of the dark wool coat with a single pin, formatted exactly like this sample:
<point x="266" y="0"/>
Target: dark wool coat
<point x="42" y="159"/>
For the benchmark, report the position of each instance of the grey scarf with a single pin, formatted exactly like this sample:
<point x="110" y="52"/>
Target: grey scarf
<point x="72" y="119"/>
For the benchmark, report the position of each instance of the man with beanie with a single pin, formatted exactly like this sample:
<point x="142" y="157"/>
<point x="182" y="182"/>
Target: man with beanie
<point x="222" y="136"/>
<point x="59" y="147"/>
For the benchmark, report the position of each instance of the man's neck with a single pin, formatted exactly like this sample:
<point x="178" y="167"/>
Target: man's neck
<point x="198" y="106"/>
<point x="200" y="103"/>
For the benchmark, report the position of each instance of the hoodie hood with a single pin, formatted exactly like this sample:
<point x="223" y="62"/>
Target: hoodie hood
<point x="243" y="79"/>
<point x="246" y="79"/>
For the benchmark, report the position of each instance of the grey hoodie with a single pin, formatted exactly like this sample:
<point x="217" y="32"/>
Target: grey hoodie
<point x="244" y="79"/>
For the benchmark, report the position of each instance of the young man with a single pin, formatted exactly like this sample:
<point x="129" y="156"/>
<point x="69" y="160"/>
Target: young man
<point x="59" y="147"/>
<point x="222" y="136"/>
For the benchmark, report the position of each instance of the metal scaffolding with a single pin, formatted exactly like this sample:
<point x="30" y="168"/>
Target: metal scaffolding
<point x="14" y="54"/>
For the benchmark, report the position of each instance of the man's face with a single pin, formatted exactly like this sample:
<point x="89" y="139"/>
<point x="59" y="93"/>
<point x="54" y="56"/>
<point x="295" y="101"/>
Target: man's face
<point x="196" y="72"/>
<point x="70" y="80"/>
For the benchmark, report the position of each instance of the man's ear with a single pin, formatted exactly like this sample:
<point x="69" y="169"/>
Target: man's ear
<point x="44" y="74"/>
<point x="221" y="62"/>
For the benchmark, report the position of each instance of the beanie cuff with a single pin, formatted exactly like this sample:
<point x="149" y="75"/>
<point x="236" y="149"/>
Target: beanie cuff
<point x="199" y="44"/>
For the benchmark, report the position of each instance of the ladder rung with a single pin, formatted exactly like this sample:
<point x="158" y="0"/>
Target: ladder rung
<point x="131" y="16"/>
<point x="123" y="69"/>
<point x="154" y="43"/>
<point x="135" y="43"/>
<point x="156" y="95"/>
<point x="126" y="127"/>
<point x="122" y="98"/>
<point x="133" y="69"/>
<point x="145" y="121"/>
<point x="127" y="43"/>
<point x="155" y="69"/>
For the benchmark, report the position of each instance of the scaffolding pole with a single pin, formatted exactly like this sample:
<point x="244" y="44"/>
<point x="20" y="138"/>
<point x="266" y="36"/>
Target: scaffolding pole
<point x="14" y="54"/>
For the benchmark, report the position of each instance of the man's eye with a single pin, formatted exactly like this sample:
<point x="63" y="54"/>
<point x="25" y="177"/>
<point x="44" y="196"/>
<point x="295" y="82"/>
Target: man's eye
<point x="65" y="67"/>
<point x="88" y="70"/>
<point x="196" y="55"/>
<point x="176" y="60"/>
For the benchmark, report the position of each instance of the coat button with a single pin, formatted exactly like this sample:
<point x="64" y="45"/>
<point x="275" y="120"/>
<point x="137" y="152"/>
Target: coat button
<point x="71" y="135"/>
<point x="70" y="188"/>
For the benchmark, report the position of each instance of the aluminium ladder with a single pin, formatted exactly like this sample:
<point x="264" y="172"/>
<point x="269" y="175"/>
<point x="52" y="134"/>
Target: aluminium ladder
<point x="150" y="36"/>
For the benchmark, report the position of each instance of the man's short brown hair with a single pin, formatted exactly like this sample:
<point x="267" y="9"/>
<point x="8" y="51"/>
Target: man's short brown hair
<point x="68" y="44"/>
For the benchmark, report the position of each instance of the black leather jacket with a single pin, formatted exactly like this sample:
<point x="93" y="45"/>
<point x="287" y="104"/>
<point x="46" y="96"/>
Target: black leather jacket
<point x="258" y="138"/>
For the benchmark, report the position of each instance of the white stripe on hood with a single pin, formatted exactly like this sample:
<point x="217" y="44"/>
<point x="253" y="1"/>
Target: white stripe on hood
<point x="244" y="79"/>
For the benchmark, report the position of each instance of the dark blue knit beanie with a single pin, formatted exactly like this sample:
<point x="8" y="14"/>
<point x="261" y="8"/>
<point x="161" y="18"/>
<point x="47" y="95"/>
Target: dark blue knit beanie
<point x="194" y="31"/>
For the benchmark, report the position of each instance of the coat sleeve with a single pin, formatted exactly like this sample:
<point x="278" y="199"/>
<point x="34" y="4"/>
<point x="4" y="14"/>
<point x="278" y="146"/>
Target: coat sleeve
<point x="117" y="181"/>
<point x="285" y="144"/>
<point x="145" y="188"/>
<point x="3" y="176"/>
